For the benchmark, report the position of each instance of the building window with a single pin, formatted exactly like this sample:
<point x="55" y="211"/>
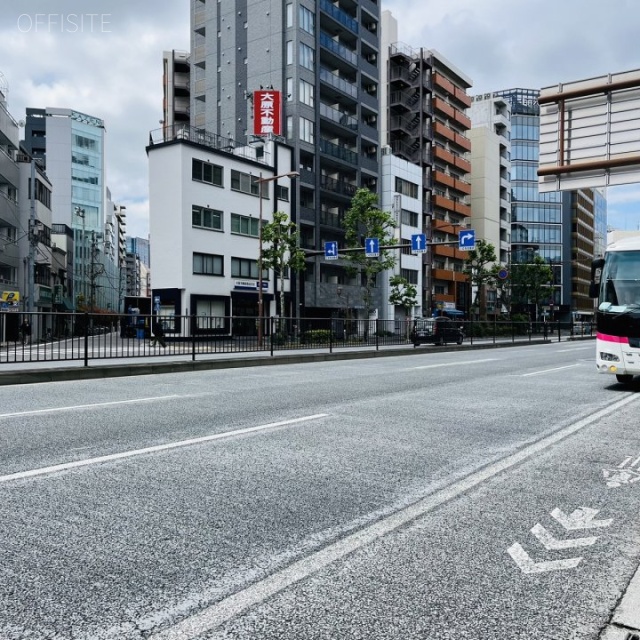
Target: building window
<point x="206" y="172"/>
<point x="289" y="14"/>
<point x="306" y="130"/>
<point x="245" y="225"/>
<point x="246" y="183"/>
<point x="282" y="193"/>
<point x="307" y="20"/>
<point x="409" y="218"/>
<point x="205" y="218"/>
<point x="289" y="95"/>
<point x="205" y="264"/>
<point x="244" y="268"/>
<point x="410" y="275"/>
<point x="406" y="188"/>
<point x="307" y="93"/>
<point x="307" y="56"/>
<point x="289" y="51"/>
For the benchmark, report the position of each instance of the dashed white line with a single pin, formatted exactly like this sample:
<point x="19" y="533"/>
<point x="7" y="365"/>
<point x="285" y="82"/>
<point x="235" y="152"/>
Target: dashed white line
<point x="31" y="473"/>
<point x="539" y="373"/>
<point x="453" y="364"/>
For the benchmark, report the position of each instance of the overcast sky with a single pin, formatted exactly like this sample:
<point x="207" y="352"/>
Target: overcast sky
<point x="107" y="61"/>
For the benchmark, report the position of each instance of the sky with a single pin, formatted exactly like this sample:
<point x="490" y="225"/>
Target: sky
<point x="104" y="58"/>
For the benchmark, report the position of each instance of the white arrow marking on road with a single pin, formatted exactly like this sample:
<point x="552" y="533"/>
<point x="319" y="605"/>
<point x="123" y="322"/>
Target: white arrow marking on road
<point x="625" y="473"/>
<point x="582" y="518"/>
<point x="552" y="543"/>
<point x="527" y="565"/>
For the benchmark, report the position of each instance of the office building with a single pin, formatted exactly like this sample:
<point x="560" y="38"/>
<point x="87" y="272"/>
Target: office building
<point x="324" y="59"/>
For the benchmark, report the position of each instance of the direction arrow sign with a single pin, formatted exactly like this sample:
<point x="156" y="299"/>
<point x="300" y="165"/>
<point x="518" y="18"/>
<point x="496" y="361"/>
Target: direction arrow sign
<point x="331" y="250"/>
<point x="467" y="240"/>
<point x="418" y="243"/>
<point x="372" y="247"/>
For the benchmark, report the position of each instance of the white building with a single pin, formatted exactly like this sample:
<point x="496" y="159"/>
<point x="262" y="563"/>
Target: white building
<point x="204" y="220"/>
<point x="407" y="212"/>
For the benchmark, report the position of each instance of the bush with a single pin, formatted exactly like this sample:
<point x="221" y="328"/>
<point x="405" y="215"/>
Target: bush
<point x="317" y="336"/>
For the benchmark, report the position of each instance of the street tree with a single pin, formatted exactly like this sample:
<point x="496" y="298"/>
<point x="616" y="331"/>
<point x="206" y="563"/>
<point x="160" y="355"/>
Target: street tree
<point x="530" y="282"/>
<point x="365" y="220"/>
<point x="403" y="294"/>
<point x="479" y="267"/>
<point x="281" y="250"/>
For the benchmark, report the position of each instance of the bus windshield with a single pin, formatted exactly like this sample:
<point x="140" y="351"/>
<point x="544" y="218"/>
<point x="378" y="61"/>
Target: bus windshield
<point x="620" y="282"/>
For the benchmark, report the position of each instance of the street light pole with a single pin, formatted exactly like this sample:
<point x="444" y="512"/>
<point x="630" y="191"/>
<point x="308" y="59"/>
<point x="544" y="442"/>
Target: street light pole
<point x="260" y="181"/>
<point x="80" y="212"/>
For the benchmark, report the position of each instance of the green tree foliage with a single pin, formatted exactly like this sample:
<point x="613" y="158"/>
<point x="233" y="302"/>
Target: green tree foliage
<point x="365" y="220"/>
<point x="530" y="282"/>
<point x="280" y="250"/>
<point x="403" y="294"/>
<point x="480" y="268"/>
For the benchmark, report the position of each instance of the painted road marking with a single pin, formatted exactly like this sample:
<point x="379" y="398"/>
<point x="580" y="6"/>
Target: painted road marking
<point x="217" y="614"/>
<point x="582" y="518"/>
<point x="627" y="472"/>
<point x="97" y="405"/>
<point x="452" y="364"/>
<point x="527" y="565"/>
<point x="155" y="449"/>
<point x="539" y="373"/>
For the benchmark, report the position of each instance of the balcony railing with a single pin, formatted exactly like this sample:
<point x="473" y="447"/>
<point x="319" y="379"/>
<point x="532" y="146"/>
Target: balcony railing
<point x="338" y="152"/>
<point x="339" y="83"/>
<point x="340" y="50"/>
<point x="338" y="186"/>
<point x="338" y="14"/>
<point x="337" y="116"/>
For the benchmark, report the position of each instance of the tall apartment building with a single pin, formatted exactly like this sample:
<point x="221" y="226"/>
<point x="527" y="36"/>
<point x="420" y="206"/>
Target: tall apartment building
<point x="324" y="56"/>
<point x="426" y="124"/>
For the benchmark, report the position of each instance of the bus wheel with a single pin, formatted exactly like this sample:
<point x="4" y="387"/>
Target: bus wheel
<point x="624" y="378"/>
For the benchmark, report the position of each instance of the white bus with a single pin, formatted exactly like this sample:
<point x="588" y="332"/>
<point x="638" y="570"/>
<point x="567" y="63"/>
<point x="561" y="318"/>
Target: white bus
<point x="615" y="281"/>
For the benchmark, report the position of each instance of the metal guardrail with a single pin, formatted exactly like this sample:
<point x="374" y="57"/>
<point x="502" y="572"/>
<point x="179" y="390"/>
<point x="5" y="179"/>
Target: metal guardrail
<point x="93" y="337"/>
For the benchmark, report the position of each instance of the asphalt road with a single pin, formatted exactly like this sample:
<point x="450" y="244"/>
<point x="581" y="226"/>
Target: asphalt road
<point x="419" y="497"/>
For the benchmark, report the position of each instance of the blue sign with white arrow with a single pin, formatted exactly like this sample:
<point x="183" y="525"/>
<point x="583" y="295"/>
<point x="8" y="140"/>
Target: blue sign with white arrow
<point x="467" y="240"/>
<point x="372" y="247"/>
<point x="418" y="243"/>
<point x="331" y="250"/>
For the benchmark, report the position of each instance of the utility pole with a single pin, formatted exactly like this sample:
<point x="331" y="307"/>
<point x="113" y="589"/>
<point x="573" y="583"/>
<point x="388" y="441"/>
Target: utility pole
<point x="33" y="242"/>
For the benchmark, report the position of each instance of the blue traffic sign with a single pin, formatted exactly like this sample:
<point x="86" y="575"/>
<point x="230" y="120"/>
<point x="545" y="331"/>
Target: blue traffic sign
<point x="467" y="240"/>
<point x="372" y="247"/>
<point x="418" y="243"/>
<point x="331" y="250"/>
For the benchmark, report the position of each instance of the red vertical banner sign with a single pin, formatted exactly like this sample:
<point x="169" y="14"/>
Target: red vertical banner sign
<point x="267" y="113"/>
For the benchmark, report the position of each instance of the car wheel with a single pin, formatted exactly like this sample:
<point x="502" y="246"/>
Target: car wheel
<point x="624" y="378"/>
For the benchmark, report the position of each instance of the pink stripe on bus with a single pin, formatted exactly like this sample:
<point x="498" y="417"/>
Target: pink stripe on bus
<point x="607" y="338"/>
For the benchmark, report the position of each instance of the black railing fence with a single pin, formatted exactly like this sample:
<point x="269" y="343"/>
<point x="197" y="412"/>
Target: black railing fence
<point x="88" y="337"/>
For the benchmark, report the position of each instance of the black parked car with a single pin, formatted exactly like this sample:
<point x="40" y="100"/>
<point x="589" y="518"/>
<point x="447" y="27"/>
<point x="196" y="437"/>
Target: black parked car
<point x="436" y="331"/>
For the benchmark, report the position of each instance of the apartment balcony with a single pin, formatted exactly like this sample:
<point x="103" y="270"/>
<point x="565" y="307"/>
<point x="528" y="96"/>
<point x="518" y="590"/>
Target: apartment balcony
<point x="339" y="187"/>
<point x="463" y="186"/>
<point x="462" y="141"/>
<point x="463" y="164"/>
<point x="443" y="179"/>
<point x="442" y="202"/>
<point x="338" y="117"/>
<point x="462" y="208"/>
<point x="461" y="96"/>
<point x="339" y="15"/>
<point x="369" y="163"/>
<point x="439" y="105"/>
<point x="443" y="131"/>
<point x="330" y="219"/>
<point x="463" y="120"/>
<point x="440" y="153"/>
<point x="440" y="82"/>
<point x="9" y="171"/>
<point x="9" y="212"/>
<point x="307" y="214"/>
<point x="369" y="68"/>
<point x="9" y="130"/>
<point x="369" y="37"/>
<point x="338" y="49"/>
<point x="369" y="100"/>
<point x="348" y="88"/>
<point x="338" y="152"/>
<point x="307" y="177"/>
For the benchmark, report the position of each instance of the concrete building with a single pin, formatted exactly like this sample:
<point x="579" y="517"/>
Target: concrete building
<point x="70" y="146"/>
<point x="324" y="58"/>
<point x="176" y="88"/>
<point x="426" y="125"/>
<point x="206" y="208"/>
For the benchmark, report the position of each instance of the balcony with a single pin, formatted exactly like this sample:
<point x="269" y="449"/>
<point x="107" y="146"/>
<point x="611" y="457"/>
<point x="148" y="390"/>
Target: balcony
<point x="462" y="97"/>
<point x="462" y="164"/>
<point x="462" y="120"/>
<point x="8" y="169"/>
<point x="443" y="179"/>
<point x="443" y="202"/>
<point x="462" y="141"/>
<point x="335" y="151"/>
<point x="442" y="154"/>
<point x="338" y="186"/>
<point x="338" y="49"/>
<point x="445" y="85"/>
<point x="446" y="109"/>
<point x="338" y="117"/>
<point x="335" y="81"/>
<point x="339" y="15"/>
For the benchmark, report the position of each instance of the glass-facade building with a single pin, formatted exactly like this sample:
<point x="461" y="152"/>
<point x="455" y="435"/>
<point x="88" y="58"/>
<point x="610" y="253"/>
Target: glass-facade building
<point x="536" y="218"/>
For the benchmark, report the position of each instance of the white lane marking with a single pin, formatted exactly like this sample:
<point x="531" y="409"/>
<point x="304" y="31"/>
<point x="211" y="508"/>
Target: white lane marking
<point x="452" y="364"/>
<point x="527" y="565"/>
<point x="591" y="348"/>
<point x="552" y="543"/>
<point x="97" y="405"/>
<point x="582" y="518"/>
<point x="215" y="615"/>
<point x="155" y="449"/>
<point x="539" y="373"/>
